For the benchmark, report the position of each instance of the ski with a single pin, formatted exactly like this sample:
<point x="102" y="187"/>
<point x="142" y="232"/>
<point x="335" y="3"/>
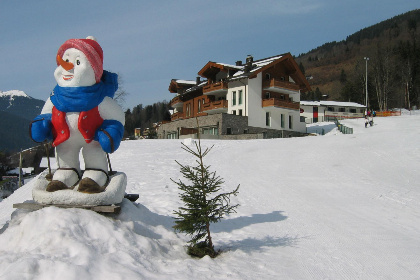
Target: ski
<point x="97" y="208"/>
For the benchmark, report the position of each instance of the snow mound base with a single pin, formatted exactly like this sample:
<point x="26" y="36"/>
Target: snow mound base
<point x="71" y="244"/>
<point x="113" y="194"/>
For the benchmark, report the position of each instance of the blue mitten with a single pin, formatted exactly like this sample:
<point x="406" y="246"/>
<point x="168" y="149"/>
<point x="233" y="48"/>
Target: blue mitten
<point x="109" y="135"/>
<point x="41" y="128"/>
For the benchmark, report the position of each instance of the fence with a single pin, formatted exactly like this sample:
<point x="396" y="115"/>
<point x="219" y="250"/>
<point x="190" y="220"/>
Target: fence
<point x="342" y="128"/>
<point x="388" y="113"/>
<point x="329" y="118"/>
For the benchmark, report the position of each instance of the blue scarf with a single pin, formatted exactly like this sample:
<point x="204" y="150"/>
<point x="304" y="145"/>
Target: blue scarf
<point x="82" y="99"/>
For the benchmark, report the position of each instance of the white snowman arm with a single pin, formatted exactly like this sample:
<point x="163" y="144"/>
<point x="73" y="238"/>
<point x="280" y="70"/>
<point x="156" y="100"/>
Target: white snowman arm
<point x="40" y="128"/>
<point x="110" y="110"/>
<point x="48" y="106"/>
<point x="110" y="133"/>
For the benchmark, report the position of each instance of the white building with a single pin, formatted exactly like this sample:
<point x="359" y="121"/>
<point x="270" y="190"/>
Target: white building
<point x="258" y="99"/>
<point x="319" y="111"/>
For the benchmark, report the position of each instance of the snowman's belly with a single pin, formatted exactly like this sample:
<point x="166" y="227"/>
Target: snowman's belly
<point x="72" y="119"/>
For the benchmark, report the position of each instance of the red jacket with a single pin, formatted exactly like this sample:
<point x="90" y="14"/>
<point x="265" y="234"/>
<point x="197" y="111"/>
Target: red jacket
<point x="88" y="123"/>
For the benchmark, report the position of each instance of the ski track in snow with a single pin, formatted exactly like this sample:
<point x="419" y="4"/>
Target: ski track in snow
<point x="326" y="207"/>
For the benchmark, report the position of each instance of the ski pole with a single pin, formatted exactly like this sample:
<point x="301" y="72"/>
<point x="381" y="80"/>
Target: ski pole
<point x="49" y="175"/>
<point x="109" y="164"/>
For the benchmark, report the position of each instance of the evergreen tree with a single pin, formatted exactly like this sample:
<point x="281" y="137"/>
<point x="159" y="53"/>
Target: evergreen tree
<point x="4" y="163"/>
<point x="343" y="77"/>
<point x="202" y="203"/>
<point x="144" y="117"/>
<point x="302" y="68"/>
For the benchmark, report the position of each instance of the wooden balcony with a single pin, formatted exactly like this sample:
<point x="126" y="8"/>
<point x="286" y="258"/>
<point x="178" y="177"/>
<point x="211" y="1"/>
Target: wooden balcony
<point x="177" y="116"/>
<point x="176" y="102"/>
<point x="215" y="88"/>
<point x="215" y="107"/>
<point x="280" y="86"/>
<point x="275" y="102"/>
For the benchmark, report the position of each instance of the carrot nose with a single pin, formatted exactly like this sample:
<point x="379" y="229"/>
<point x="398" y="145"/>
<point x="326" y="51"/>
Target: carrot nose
<point x="66" y="65"/>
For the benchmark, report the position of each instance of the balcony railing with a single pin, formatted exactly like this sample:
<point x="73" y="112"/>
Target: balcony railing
<point x="215" y="87"/>
<point x="177" y="116"/>
<point x="176" y="102"/>
<point x="216" y="106"/>
<point x="275" y="102"/>
<point x="277" y="84"/>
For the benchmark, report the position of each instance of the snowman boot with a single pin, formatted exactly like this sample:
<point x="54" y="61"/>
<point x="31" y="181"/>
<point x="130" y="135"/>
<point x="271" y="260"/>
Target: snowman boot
<point x="95" y="178"/>
<point x="68" y="173"/>
<point x="93" y="181"/>
<point x="63" y="179"/>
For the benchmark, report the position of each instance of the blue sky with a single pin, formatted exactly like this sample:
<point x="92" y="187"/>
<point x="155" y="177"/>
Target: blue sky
<point x="148" y="43"/>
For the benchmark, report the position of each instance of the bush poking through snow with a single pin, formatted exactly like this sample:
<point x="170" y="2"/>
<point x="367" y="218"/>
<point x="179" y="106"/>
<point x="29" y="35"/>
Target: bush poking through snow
<point x="202" y="203"/>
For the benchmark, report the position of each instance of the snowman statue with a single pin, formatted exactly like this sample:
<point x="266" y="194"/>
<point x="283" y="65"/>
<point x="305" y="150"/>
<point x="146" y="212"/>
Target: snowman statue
<point x="81" y="115"/>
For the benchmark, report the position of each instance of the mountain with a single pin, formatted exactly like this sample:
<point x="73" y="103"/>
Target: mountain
<point x="17" y="110"/>
<point x="337" y="69"/>
<point x="323" y="207"/>
<point x="18" y="103"/>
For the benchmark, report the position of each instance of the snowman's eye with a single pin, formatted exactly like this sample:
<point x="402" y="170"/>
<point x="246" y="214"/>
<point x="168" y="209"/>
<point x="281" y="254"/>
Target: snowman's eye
<point x="67" y="60"/>
<point x="78" y="62"/>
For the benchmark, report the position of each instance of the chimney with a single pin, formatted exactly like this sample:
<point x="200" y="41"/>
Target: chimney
<point x="249" y="59"/>
<point x="239" y="63"/>
<point x="197" y="81"/>
<point x="248" y="65"/>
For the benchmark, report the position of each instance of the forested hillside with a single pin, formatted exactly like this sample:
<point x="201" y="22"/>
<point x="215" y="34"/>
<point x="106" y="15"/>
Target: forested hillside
<point x="144" y="117"/>
<point x="16" y="112"/>
<point x="337" y="70"/>
<point x="15" y="133"/>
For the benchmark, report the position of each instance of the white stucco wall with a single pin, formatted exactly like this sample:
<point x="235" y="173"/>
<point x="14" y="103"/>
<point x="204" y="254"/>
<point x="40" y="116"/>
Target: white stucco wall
<point x="308" y="113"/>
<point x="257" y="114"/>
<point x="236" y="87"/>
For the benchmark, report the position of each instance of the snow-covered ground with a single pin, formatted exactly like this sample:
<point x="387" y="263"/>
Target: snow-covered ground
<point x="319" y="207"/>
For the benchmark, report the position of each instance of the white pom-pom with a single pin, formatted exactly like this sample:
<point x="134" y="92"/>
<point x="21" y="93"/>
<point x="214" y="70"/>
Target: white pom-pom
<point x="91" y="38"/>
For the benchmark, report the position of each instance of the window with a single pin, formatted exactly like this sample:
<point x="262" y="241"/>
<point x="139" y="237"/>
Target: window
<point x="240" y="97"/>
<point x="290" y="122"/>
<point x="233" y="98"/>
<point x="267" y="95"/>
<point x="342" y="109"/>
<point x="330" y="109"/>
<point x="282" y="120"/>
<point x="172" y="135"/>
<point x="189" y="110"/>
<point x="240" y="112"/>
<point x="267" y="76"/>
<point x="352" y="110"/>
<point x="199" y="105"/>
<point x="267" y="119"/>
<point x="228" y="130"/>
<point x="233" y="112"/>
<point x="246" y="131"/>
<point x="210" y="130"/>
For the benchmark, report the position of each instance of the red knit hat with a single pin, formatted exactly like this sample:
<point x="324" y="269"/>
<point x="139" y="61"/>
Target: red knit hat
<point x="91" y="49"/>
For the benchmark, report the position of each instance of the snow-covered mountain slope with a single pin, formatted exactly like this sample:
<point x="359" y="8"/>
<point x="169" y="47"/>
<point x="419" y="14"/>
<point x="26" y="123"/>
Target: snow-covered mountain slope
<point x="17" y="110"/>
<point x="13" y="93"/>
<point x="19" y="103"/>
<point x="327" y="207"/>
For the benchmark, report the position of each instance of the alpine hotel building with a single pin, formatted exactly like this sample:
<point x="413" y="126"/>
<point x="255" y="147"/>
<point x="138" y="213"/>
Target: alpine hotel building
<point x="257" y="99"/>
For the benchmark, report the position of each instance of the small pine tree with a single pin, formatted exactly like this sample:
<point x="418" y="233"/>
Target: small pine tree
<point x="202" y="203"/>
